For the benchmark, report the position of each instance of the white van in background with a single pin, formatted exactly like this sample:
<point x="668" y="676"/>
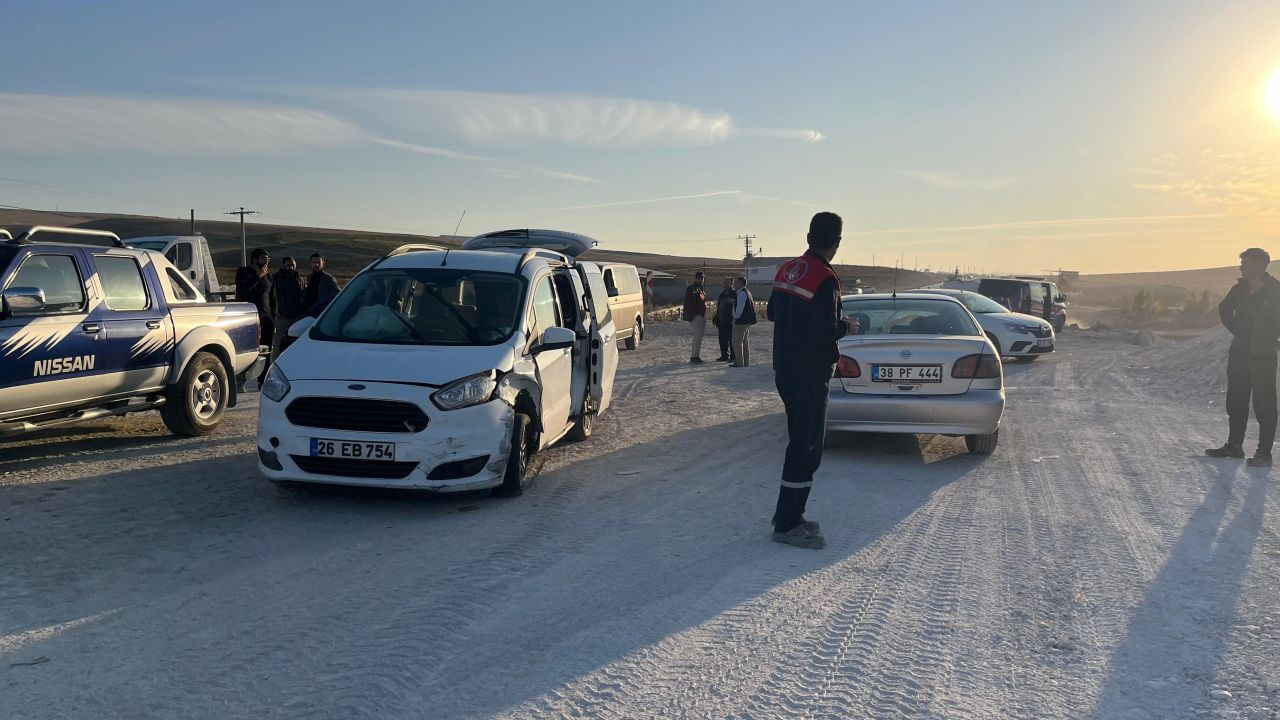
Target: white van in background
<point x="626" y="301"/>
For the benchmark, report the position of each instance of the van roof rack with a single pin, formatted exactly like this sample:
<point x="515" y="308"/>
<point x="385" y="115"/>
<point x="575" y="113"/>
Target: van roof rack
<point x="413" y="247"/>
<point x="535" y="252"/>
<point x="26" y="235"/>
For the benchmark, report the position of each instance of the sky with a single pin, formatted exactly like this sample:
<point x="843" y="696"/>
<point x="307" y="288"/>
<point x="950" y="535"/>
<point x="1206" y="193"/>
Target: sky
<point x="992" y="136"/>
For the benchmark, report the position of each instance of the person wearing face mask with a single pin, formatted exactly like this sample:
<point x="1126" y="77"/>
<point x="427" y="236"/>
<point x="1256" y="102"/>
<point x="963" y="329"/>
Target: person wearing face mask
<point x="288" y="288"/>
<point x="253" y="285"/>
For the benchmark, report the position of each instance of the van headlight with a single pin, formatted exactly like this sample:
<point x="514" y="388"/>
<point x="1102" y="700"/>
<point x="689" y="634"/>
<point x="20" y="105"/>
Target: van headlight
<point x="276" y="385"/>
<point x="471" y="390"/>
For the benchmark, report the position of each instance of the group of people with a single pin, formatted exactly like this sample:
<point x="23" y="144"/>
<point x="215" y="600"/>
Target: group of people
<point x="282" y="298"/>
<point x="734" y="314"/>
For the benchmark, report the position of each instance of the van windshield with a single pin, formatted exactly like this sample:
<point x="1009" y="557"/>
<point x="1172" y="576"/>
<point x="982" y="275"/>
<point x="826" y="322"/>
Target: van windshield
<point x="909" y="316"/>
<point x="424" y="306"/>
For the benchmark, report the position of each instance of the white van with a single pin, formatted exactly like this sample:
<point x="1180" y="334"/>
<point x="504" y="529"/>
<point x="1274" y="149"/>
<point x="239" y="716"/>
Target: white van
<point x="626" y="301"/>
<point x="444" y="369"/>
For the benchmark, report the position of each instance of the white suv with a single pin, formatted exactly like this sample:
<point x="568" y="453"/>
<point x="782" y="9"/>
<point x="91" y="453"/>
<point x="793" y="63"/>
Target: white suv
<point x="444" y="370"/>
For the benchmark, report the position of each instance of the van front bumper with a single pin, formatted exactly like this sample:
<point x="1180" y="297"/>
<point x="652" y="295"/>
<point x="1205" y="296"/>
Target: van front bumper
<point x="465" y="449"/>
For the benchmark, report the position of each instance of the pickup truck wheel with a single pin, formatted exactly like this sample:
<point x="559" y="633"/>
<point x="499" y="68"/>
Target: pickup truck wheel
<point x="194" y="405"/>
<point x="513" y="481"/>
<point x="982" y="444"/>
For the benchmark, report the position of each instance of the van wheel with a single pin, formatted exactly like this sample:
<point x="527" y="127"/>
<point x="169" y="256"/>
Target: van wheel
<point x="637" y="334"/>
<point x="513" y="480"/>
<point x="996" y="342"/>
<point x="982" y="444"/>
<point x="584" y="426"/>
<point x="194" y="405"/>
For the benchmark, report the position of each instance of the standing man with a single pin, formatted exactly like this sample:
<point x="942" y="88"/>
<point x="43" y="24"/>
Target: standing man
<point x="322" y="288"/>
<point x="1251" y="312"/>
<point x="805" y="307"/>
<point x="288" y="288"/>
<point x="695" y="313"/>
<point x="724" y="320"/>
<point x="253" y="285"/>
<point x="744" y="316"/>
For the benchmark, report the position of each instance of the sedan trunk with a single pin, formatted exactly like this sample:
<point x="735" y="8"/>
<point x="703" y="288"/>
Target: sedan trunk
<point x="908" y="364"/>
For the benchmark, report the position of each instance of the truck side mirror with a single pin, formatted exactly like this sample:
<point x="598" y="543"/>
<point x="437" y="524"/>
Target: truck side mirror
<point x="22" y="301"/>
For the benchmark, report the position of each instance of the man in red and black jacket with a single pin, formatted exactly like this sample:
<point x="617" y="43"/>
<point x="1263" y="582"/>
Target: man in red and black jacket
<point x="805" y="309"/>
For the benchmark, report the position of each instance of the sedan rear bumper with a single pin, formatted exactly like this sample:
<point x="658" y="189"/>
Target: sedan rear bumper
<point x="976" y="412"/>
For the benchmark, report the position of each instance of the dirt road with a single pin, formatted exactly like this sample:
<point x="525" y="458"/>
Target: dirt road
<point x="1095" y="566"/>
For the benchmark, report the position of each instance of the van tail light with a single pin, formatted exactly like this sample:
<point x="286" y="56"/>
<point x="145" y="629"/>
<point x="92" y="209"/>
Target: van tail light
<point x="847" y="367"/>
<point x="976" y="367"/>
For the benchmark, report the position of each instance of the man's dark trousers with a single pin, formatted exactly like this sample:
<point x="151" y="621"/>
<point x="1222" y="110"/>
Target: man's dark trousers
<point x="725" y="331"/>
<point x="1252" y="375"/>
<point x="804" y="395"/>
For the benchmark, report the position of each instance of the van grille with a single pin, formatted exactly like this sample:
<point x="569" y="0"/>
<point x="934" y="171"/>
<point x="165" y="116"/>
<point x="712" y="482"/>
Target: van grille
<point x="359" y="414"/>
<point x="343" y="467"/>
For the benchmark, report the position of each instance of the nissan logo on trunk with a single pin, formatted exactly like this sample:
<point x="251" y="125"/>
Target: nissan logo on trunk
<point x="906" y="354"/>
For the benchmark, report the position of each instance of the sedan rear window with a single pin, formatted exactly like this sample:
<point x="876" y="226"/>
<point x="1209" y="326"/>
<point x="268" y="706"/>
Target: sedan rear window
<point x="909" y="316"/>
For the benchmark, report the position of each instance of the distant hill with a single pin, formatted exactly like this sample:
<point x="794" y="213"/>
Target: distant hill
<point x="1217" y="280"/>
<point x="348" y="251"/>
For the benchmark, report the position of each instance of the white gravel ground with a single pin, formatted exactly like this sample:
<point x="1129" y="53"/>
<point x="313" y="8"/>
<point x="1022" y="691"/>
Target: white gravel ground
<point x="1095" y="567"/>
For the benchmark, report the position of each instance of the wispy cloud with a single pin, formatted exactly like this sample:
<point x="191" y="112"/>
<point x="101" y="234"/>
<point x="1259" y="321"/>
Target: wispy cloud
<point x="1239" y="183"/>
<point x="1056" y="222"/>
<point x="79" y="124"/>
<point x="948" y="181"/>
<point x="484" y="118"/>
<point x="519" y="169"/>
<point x="619" y="203"/>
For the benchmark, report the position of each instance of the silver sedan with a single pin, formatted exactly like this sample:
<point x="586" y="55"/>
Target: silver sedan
<point x="920" y="363"/>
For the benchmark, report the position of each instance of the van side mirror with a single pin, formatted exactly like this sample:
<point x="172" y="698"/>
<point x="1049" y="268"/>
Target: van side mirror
<point x="22" y="301"/>
<point x="300" y="328"/>
<point x="555" y="338"/>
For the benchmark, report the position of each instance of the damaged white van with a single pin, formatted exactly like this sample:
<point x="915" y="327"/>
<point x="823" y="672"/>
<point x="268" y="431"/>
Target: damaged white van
<point x="444" y="370"/>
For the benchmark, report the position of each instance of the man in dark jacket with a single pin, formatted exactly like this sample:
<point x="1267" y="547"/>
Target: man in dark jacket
<point x="724" y="320"/>
<point x="805" y="309"/>
<point x="322" y="288"/>
<point x="253" y="285"/>
<point x="1251" y="312"/>
<point x="695" y="313"/>
<point x="288" y="288"/>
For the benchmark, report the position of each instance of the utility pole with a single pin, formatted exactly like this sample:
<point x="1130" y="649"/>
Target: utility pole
<point x="746" y="244"/>
<point x="244" y="253"/>
<point x="193" y="221"/>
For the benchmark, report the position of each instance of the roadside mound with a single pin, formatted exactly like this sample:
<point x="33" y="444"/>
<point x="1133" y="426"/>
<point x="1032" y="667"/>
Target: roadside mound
<point x="1199" y="365"/>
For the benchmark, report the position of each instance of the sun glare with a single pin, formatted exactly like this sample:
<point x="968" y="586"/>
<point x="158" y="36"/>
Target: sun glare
<point x="1273" y="94"/>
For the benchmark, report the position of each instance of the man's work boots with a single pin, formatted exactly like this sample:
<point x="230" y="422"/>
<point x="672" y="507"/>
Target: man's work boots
<point x="1260" y="459"/>
<point x="1226" y="451"/>
<point x="801" y="536"/>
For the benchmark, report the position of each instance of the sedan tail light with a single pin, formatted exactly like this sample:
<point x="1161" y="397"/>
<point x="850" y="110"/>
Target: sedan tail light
<point x="976" y="367"/>
<point x="847" y="367"/>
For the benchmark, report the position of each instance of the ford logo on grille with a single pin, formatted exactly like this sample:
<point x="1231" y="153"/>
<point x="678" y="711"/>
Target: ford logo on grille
<point x="355" y="387"/>
<point x="906" y="354"/>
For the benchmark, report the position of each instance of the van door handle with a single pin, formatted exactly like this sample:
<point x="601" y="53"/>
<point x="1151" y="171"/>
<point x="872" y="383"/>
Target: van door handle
<point x="153" y="324"/>
<point x="91" y="328"/>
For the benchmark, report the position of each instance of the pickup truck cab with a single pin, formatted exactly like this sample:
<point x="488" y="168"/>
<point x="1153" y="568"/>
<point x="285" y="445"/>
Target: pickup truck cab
<point x="189" y="255"/>
<point x="444" y="370"/>
<point x="91" y="330"/>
